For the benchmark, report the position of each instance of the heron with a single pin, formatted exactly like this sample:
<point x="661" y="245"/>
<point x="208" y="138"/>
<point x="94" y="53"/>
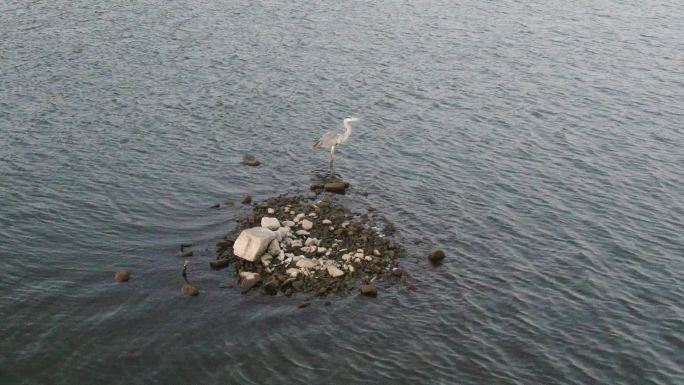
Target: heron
<point x="331" y="139"/>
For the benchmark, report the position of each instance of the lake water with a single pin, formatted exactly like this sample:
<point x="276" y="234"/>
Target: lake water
<point x="540" y="144"/>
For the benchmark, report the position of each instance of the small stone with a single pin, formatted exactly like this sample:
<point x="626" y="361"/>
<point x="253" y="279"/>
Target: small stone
<point x="248" y="280"/>
<point x="122" y="276"/>
<point x="376" y="252"/>
<point x="270" y="211"/>
<point x="292" y="272"/>
<point x="307" y="224"/>
<point x="302" y="232"/>
<point x="335" y="272"/>
<point x="346" y="257"/>
<point x="189" y="290"/>
<point x="336" y="186"/>
<point x="369" y="290"/>
<point x="327" y="222"/>
<point x="368" y="258"/>
<point x="283" y="231"/>
<point x="436" y="255"/>
<point x="270" y="223"/>
<point x="305" y="263"/>
<point x="296" y="243"/>
<point x="247" y="199"/>
<point x="309" y="241"/>
<point x="303" y="304"/>
<point x="289" y="224"/>
<point x="250" y="160"/>
<point x="321" y="250"/>
<point x="397" y="272"/>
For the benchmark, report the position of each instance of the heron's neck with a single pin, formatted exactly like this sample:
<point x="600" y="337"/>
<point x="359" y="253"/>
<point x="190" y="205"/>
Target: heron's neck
<point x="347" y="130"/>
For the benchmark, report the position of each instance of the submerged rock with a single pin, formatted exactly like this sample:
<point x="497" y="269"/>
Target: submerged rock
<point x="336" y="186"/>
<point x="252" y="243"/>
<point x="369" y="290"/>
<point x="189" y="290"/>
<point x="247" y="199"/>
<point x="436" y="255"/>
<point x="250" y="160"/>
<point x="122" y="276"/>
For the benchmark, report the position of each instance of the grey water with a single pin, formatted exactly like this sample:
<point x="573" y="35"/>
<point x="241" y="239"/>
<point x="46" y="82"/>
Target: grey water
<point x="539" y="143"/>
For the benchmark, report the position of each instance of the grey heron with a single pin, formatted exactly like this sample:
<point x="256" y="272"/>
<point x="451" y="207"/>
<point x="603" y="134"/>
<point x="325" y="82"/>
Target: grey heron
<point x="331" y="139"/>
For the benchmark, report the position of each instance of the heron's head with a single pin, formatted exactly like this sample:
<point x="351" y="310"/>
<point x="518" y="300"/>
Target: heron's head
<point x="351" y="119"/>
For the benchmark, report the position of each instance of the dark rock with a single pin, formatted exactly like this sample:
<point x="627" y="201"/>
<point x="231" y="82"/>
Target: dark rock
<point x="289" y="292"/>
<point x="272" y="285"/>
<point x="219" y="263"/>
<point x="436" y="255"/>
<point x="184" y="254"/>
<point x="189" y="290"/>
<point x="122" y="276"/>
<point x="336" y="186"/>
<point x="250" y="160"/>
<point x="369" y="290"/>
<point x="298" y="285"/>
<point x="247" y="199"/>
<point x="304" y="304"/>
<point x="397" y="272"/>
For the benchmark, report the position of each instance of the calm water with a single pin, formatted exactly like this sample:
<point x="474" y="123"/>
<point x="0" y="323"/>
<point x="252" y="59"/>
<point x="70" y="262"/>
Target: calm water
<point x="540" y="144"/>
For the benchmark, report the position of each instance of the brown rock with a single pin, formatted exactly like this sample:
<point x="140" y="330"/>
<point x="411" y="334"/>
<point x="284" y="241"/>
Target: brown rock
<point x="250" y="160"/>
<point x="369" y="290"/>
<point x="436" y="255"/>
<point x="303" y="304"/>
<point x="219" y="263"/>
<point x="336" y="186"/>
<point x="247" y="199"/>
<point x="122" y="276"/>
<point x="189" y="290"/>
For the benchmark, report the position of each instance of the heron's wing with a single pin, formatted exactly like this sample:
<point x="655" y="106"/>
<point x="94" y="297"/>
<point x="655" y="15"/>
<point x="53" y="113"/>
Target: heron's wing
<point x="328" y="140"/>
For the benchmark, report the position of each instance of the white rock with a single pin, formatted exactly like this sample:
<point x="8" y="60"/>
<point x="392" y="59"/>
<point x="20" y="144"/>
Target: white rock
<point x="357" y="260"/>
<point x="292" y="272"/>
<point x="327" y="253"/>
<point x="327" y="222"/>
<point x="309" y="241"/>
<point x="351" y="269"/>
<point x="346" y="257"/>
<point x="344" y="224"/>
<point x="248" y="275"/>
<point x="305" y="263"/>
<point x="376" y="252"/>
<point x="317" y="241"/>
<point x="271" y="211"/>
<point x="298" y="217"/>
<point x="321" y="250"/>
<point x="368" y="258"/>
<point x="281" y="255"/>
<point x="274" y="248"/>
<point x="312" y="215"/>
<point x="331" y="228"/>
<point x="251" y="243"/>
<point x="307" y="224"/>
<point x="359" y="250"/>
<point x="270" y="223"/>
<point x="334" y="271"/>
<point x="358" y="255"/>
<point x="296" y="258"/>
<point x="296" y="243"/>
<point x="302" y="232"/>
<point x="289" y="255"/>
<point x="289" y="224"/>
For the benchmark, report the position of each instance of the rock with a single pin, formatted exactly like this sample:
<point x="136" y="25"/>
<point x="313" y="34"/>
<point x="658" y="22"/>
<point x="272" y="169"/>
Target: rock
<point x="335" y="272"/>
<point x="270" y="211"/>
<point x="247" y="199"/>
<point x="248" y="280"/>
<point x="377" y="252"/>
<point x="122" y="276"/>
<point x="189" y="290"/>
<point x="327" y="222"/>
<point x="296" y="243"/>
<point x="289" y="224"/>
<point x="292" y="272"/>
<point x="396" y="272"/>
<point x="272" y="285"/>
<point x="252" y="243"/>
<point x="270" y="223"/>
<point x="283" y="231"/>
<point x="302" y="232"/>
<point x="307" y="224"/>
<point x="336" y="186"/>
<point x="368" y="258"/>
<point x="321" y="250"/>
<point x="303" y="304"/>
<point x="305" y="263"/>
<point x="298" y="285"/>
<point x="371" y="209"/>
<point x="309" y="241"/>
<point x="184" y="254"/>
<point x="436" y="255"/>
<point x="274" y="248"/>
<point x="346" y="257"/>
<point x="219" y="263"/>
<point x="369" y="290"/>
<point x="250" y="160"/>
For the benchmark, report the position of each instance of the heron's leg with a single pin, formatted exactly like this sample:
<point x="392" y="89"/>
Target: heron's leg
<point x="332" y="159"/>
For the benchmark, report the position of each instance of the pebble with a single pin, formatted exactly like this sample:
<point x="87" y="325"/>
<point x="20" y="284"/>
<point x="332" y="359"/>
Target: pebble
<point x="296" y="243"/>
<point x="274" y="248"/>
<point x="307" y="224"/>
<point x="305" y="263"/>
<point x="368" y="258"/>
<point x="270" y="223"/>
<point x="327" y="222"/>
<point x="289" y="224"/>
<point x="270" y="211"/>
<point x="250" y="160"/>
<point x="335" y="272"/>
<point x="247" y="199"/>
<point x="302" y="232"/>
<point x="321" y="250"/>
<point x="248" y="280"/>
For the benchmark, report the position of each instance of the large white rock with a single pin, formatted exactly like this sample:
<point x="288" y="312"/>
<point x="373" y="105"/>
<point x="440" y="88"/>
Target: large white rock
<point x="252" y="243"/>
<point x="270" y="223"/>
<point x="307" y="224"/>
<point x="334" y="271"/>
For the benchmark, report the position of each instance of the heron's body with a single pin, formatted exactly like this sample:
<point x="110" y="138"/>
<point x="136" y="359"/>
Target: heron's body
<point x="331" y="139"/>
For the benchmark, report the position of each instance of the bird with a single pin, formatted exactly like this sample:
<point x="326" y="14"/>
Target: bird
<point x="331" y="139"/>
